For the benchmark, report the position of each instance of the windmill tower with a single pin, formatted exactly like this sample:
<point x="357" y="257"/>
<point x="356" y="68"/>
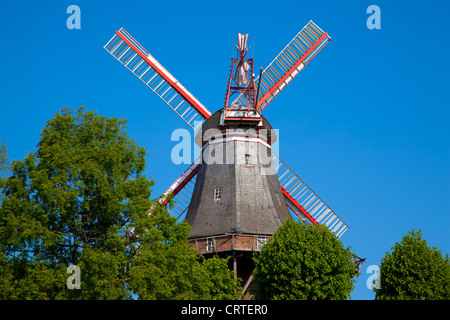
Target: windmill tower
<point x="237" y="194"/>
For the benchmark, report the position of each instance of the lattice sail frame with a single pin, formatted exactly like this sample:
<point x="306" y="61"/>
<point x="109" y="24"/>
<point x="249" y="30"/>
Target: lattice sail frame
<point x="146" y="68"/>
<point x="289" y="62"/>
<point x="304" y="202"/>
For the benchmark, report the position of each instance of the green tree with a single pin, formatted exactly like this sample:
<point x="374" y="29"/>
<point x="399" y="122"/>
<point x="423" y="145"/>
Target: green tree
<point x="69" y="202"/>
<point x="4" y="167"/>
<point x="304" y="262"/>
<point x="414" y="271"/>
<point x="223" y="286"/>
<point x="165" y="267"/>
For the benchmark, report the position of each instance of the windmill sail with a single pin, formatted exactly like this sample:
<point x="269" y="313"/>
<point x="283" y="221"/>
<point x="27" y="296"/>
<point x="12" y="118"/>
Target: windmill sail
<point x="290" y="61"/>
<point x="146" y="68"/>
<point x="181" y="190"/>
<point x="304" y="202"/>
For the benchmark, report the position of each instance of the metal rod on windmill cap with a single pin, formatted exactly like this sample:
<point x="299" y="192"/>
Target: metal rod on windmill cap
<point x="257" y="91"/>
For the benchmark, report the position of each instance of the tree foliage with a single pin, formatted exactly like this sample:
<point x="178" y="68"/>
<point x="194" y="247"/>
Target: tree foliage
<point x="304" y="262"/>
<point x="165" y="267"/>
<point x="69" y="202"/>
<point x="414" y="271"/>
<point x="4" y="167"/>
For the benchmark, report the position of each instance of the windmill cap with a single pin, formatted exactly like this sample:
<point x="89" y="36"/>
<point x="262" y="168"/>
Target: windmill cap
<point x="211" y="127"/>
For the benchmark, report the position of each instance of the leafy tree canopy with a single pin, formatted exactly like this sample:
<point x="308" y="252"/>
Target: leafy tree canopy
<point x="4" y="166"/>
<point x="414" y="271"/>
<point x="304" y="262"/>
<point x="69" y="202"/>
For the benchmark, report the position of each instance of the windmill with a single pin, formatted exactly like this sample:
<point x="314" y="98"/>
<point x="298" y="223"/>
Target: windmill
<point x="237" y="194"/>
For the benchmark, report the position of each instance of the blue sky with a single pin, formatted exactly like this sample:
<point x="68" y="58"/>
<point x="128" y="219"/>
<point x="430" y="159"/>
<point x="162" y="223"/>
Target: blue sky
<point x="365" y="124"/>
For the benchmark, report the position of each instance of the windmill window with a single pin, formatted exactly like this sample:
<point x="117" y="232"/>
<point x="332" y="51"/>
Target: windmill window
<point x="210" y="244"/>
<point x="260" y="241"/>
<point x="217" y="194"/>
<point x="248" y="160"/>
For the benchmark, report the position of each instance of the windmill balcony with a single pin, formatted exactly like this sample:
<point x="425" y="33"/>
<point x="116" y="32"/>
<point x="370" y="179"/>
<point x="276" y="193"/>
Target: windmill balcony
<point x="240" y="112"/>
<point x="229" y="242"/>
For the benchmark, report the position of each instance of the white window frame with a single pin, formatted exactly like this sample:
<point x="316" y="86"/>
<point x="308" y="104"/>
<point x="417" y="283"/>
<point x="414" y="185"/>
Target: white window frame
<point x="260" y="242"/>
<point x="217" y="194"/>
<point x="210" y="244"/>
<point x="248" y="159"/>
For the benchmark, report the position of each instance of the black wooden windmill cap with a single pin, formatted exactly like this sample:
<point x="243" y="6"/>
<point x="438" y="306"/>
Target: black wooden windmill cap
<point x="264" y="129"/>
